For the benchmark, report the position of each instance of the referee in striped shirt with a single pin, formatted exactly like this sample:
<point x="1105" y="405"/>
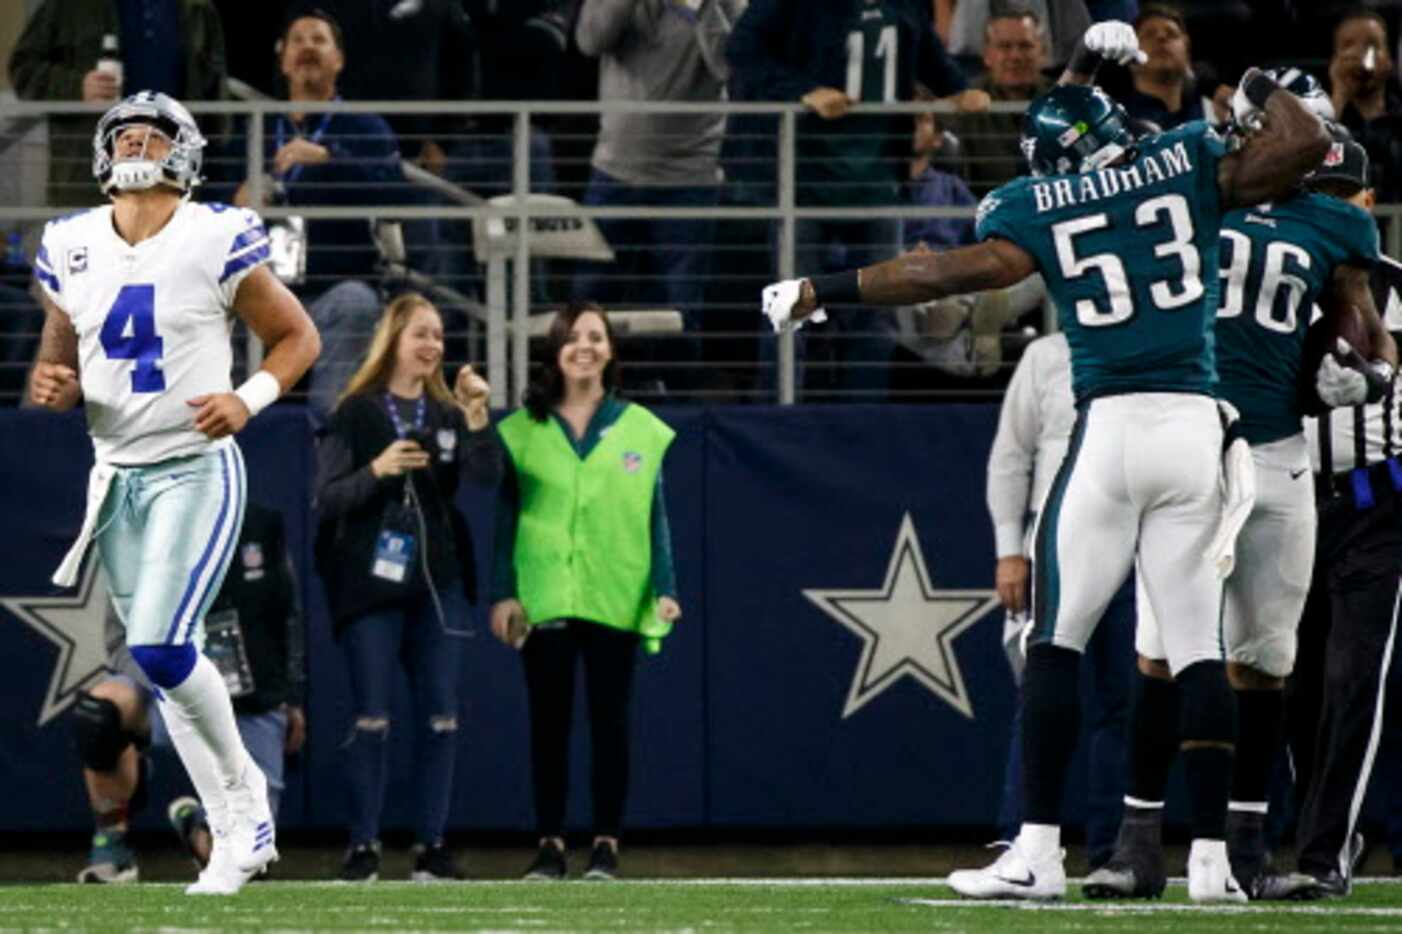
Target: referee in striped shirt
<point x="1335" y="698"/>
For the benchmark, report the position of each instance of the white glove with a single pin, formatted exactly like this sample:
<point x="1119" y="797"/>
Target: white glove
<point x="777" y="303"/>
<point x="1238" y="495"/>
<point x="1339" y="385"/>
<point x="1115" y="41"/>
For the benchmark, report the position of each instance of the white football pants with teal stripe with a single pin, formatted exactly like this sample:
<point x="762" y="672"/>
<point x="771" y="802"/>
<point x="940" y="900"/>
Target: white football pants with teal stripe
<point x="165" y="536"/>
<point x="1141" y="482"/>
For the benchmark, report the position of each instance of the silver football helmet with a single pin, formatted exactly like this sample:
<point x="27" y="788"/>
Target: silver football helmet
<point x="180" y="168"/>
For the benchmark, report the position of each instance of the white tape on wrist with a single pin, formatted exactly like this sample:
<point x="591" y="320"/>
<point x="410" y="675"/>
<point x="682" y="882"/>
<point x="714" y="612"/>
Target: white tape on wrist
<point x="259" y="391"/>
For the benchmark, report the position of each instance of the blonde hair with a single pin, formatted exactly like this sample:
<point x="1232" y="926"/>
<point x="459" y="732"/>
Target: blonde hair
<point x="377" y="367"/>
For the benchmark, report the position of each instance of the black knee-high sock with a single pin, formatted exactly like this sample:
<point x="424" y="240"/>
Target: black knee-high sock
<point x="1207" y="725"/>
<point x="1261" y="715"/>
<point x="1153" y="739"/>
<point x="1050" y="725"/>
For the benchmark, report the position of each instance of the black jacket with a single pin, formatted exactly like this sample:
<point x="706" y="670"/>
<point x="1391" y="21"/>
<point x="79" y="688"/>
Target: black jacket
<point x="352" y="504"/>
<point x="262" y="587"/>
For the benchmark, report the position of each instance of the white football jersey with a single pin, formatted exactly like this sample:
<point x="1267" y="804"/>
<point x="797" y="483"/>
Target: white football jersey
<point x="153" y="320"/>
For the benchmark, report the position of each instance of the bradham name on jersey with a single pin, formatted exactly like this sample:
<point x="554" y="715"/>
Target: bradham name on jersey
<point x="1092" y="186"/>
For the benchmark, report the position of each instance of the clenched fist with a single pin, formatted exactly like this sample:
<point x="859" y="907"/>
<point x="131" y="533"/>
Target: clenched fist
<point x="54" y="386"/>
<point x="219" y="414"/>
<point x="471" y="392"/>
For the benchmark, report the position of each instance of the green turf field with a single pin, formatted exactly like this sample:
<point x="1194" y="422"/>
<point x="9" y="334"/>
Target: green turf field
<point x="769" y="905"/>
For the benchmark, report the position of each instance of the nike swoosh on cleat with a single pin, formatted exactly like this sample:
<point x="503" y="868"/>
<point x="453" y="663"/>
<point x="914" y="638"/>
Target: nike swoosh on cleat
<point x="1027" y="883"/>
<point x="1297" y="474"/>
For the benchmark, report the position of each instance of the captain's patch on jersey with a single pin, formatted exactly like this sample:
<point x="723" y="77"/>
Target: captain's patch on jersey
<point x="77" y="260"/>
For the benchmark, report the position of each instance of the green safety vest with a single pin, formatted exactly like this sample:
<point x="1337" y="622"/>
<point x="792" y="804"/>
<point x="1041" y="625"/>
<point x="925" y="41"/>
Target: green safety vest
<point x="584" y="529"/>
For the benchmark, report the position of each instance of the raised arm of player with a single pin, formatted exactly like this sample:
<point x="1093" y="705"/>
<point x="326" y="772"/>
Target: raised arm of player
<point x="278" y="319"/>
<point x="923" y="277"/>
<point x="1350" y="289"/>
<point x="1272" y="162"/>
<point x="54" y="382"/>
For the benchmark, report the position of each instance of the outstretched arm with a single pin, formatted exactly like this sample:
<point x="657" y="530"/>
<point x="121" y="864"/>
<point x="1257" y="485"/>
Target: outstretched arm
<point x="913" y="278"/>
<point x="1275" y="159"/>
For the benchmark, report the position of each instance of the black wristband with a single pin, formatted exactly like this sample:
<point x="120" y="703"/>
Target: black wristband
<point x="839" y="288"/>
<point x="1083" y="61"/>
<point x="1258" y="88"/>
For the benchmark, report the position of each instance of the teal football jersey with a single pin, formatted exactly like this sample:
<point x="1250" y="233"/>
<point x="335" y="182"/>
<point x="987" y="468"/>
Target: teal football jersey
<point x="1276" y="260"/>
<point x="1129" y="254"/>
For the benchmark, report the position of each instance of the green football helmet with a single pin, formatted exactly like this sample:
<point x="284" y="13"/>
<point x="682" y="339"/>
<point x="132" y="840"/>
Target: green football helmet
<point x="1074" y="128"/>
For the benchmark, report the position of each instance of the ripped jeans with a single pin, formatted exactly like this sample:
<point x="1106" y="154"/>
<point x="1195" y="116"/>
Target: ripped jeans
<point x="409" y="635"/>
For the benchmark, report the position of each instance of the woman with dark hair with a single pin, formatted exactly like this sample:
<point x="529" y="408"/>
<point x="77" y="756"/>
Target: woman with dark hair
<point x="396" y="558"/>
<point x="583" y="568"/>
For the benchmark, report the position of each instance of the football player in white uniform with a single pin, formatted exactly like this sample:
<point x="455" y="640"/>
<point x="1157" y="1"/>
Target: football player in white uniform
<point x="139" y="297"/>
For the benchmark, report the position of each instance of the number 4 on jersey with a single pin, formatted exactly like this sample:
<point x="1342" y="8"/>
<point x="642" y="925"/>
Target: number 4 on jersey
<point x="135" y="304"/>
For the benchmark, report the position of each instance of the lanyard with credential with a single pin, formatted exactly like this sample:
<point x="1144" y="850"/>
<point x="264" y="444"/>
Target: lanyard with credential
<point x="420" y="414"/>
<point x="281" y="140"/>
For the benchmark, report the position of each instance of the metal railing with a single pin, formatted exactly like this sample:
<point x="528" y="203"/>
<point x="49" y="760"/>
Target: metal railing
<point x="507" y="334"/>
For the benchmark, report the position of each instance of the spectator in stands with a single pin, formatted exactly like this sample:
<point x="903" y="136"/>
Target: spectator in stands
<point x="1014" y="54"/>
<point x="173" y="46"/>
<point x="520" y="55"/>
<point x="567" y="496"/>
<point x="1165" y="92"/>
<point x="418" y="51"/>
<point x="395" y="555"/>
<point x="961" y="25"/>
<point x="336" y="159"/>
<point x="830" y="56"/>
<point x="254" y="634"/>
<point x="657" y="51"/>
<point x="1365" y="97"/>
<point x="931" y="187"/>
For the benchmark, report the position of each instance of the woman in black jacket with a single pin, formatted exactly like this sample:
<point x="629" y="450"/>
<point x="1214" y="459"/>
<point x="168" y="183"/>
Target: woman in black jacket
<point x="396" y="558"/>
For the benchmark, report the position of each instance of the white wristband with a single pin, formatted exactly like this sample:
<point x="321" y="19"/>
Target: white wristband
<point x="259" y="391"/>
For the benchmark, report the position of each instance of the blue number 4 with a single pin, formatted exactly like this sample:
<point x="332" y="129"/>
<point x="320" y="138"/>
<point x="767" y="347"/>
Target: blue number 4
<point x="136" y="304"/>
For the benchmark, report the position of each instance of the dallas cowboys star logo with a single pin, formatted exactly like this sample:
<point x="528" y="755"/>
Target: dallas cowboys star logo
<point x="907" y="627"/>
<point x="74" y="624"/>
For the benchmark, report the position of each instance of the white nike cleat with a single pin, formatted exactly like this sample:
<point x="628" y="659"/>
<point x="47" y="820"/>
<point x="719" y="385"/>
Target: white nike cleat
<point x="220" y="876"/>
<point x="1210" y="874"/>
<point x="1014" y="875"/>
<point x="252" y="838"/>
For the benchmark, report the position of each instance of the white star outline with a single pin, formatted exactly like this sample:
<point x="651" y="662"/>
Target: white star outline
<point x="74" y="624"/>
<point x="907" y="627"/>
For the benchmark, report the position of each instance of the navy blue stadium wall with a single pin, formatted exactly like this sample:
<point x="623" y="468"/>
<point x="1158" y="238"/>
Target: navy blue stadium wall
<point x="839" y="663"/>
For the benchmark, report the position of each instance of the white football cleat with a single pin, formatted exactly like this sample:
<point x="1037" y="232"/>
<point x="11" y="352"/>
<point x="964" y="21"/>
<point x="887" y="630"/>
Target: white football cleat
<point x="1210" y="874"/>
<point x="1014" y="875"/>
<point x="220" y="876"/>
<point x="252" y="838"/>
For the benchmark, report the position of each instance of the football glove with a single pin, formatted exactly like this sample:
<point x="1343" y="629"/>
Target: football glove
<point x="1339" y="385"/>
<point x="777" y="303"/>
<point x="1114" y="41"/>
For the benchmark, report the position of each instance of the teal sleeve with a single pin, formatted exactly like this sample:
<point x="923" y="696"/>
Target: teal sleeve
<point x="997" y="214"/>
<point x="504" y="536"/>
<point x="664" y="572"/>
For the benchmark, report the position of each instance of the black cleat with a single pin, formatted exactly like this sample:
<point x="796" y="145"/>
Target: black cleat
<point x="362" y="863"/>
<point x="603" y="862"/>
<point x="549" y="863"/>
<point x="435" y="864"/>
<point x="1272" y="885"/>
<point x="1135" y="871"/>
